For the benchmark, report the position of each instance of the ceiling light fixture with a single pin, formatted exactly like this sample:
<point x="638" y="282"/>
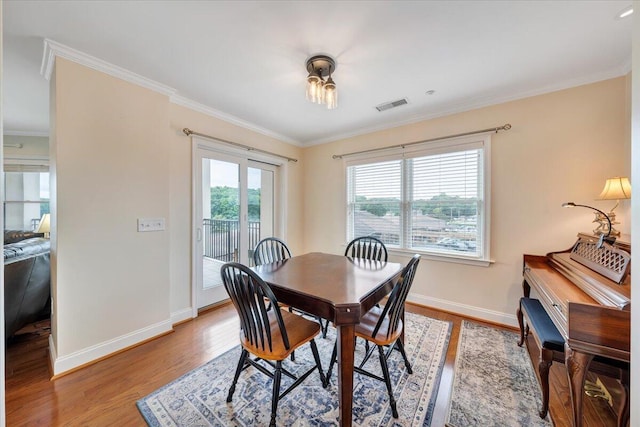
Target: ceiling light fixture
<point x="320" y="91"/>
<point x="625" y="12"/>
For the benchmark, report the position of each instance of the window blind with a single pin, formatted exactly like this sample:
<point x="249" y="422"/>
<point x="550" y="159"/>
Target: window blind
<point x="429" y="200"/>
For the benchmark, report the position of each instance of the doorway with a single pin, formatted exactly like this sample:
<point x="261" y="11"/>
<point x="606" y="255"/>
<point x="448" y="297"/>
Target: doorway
<point x="235" y="206"/>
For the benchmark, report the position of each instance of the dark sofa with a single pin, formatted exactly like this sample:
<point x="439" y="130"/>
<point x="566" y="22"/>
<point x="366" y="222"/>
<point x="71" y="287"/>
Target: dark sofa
<point x="27" y="277"/>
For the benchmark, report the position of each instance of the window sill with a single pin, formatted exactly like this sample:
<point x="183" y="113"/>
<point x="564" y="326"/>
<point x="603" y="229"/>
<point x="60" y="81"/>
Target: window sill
<point x="442" y="257"/>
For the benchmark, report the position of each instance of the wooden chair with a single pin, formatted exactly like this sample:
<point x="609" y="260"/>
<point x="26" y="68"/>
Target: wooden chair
<point x="269" y="335"/>
<point x="270" y="249"/>
<point x="383" y="326"/>
<point x="367" y="247"/>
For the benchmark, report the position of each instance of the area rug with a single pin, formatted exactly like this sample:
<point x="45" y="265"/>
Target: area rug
<point x="494" y="382"/>
<point x="198" y="398"/>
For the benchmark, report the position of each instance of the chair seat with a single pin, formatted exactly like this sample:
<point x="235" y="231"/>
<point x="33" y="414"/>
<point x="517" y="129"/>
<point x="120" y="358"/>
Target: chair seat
<point x="367" y="324"/>
<point x="299" y="330"/>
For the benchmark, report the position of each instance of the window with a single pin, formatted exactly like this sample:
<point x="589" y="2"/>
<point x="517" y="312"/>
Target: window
<point x="27" y="199"/>
<point x="428" y="198"/>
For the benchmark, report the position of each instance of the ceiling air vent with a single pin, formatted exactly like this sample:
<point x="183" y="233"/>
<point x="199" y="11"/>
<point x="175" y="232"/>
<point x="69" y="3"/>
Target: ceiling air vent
<point x="393" y="104"/>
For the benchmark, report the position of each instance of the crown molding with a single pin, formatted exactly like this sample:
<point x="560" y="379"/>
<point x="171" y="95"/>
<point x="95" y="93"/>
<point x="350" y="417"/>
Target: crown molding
<point x="54" y="49"/>
<point x="212" y="112"/>
<point x="474" y="104"/>
<point x="625" y="67"/>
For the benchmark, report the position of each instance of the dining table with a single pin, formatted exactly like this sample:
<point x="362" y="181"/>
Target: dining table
<point x="338" y="288"/>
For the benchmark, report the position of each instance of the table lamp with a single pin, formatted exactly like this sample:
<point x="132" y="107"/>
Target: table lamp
<point x="615" y="188"/>
<point x="45" y="225"/>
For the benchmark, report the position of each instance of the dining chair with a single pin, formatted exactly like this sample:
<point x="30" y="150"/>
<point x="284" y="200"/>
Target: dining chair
<point x="270" y="249"/>
<point x="268" y="335"/>
<point x="383" y="326"/>
<point x="367" y="247"/>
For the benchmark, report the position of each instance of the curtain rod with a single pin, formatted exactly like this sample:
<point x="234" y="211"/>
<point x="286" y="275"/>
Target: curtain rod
<point x="496" y="129"/>
<point x="189" y="132"/>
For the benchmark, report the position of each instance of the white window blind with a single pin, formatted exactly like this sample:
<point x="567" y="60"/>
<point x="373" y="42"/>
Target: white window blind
<point x="376" y="201"/>
<point x="430" y="200"/>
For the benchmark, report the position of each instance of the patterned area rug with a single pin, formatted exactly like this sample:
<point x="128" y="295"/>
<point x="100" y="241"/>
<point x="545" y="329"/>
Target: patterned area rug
<point x="494" y="383"/>
<point x="198" y="398"/>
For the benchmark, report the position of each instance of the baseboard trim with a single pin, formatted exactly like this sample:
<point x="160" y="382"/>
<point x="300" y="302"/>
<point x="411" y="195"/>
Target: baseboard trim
<point x="465" y="310"/>
<point x="89" y="355"/>
<point x="181" y="316"/>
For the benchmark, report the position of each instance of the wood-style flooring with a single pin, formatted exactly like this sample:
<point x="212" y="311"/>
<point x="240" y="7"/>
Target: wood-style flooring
<point x="104" y="394"/>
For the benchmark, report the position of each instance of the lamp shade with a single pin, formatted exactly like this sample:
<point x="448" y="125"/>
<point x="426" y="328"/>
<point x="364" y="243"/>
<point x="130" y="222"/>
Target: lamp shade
<point x="615" y="189"/>
<point x="45" y="224"/>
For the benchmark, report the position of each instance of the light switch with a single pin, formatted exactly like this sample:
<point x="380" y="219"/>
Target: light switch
<point x="150" y="224"/>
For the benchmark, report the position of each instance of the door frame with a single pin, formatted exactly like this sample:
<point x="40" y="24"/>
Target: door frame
<point x="218" y="147"/>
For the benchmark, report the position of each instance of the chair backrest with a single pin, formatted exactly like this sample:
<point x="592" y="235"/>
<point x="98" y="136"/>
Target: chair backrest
<point x="394" y="307"/>
<point x="251" y="297"/>
<point x="270" y="249"/>
<point x="367" y="247"/>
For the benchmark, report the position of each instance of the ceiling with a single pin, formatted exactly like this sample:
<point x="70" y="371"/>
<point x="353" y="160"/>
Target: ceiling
<point x="246" y="60"/>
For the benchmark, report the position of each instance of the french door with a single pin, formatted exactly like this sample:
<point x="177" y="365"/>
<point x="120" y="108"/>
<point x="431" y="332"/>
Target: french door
<point x="234" y="208"/>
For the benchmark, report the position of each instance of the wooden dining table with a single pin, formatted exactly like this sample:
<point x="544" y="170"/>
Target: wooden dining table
<point x="338" y="288"/>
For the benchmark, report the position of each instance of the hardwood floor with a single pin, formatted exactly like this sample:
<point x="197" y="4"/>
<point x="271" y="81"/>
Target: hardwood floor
<point x="104" y="394"/>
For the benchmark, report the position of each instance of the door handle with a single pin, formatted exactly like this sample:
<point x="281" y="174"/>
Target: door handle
<point x="199" y="234"/>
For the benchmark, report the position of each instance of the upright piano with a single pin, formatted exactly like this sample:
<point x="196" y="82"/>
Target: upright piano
<point x="586" y="290"/>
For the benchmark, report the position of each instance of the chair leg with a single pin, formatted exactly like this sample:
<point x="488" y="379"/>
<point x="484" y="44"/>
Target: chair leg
<point x="387" y="380"/>
<point x="404" y="356"/>
<point x="324" y="327"/>
<point x="241" y="362"/>
<point x="334" y="358"/>
<point x="316" y="356"/>
<point x="276" y="392"/>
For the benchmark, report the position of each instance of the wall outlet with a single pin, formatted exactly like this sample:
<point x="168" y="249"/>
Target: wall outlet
<point x="150" y="224"/>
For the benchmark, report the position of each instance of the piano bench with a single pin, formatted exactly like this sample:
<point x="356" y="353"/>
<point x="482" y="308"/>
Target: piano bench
<point x="546" y="335"/>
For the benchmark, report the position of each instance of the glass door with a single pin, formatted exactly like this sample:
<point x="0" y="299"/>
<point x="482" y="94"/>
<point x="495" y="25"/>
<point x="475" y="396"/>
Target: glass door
<point x="234" y="206"/>
<point x="261" y="197"/>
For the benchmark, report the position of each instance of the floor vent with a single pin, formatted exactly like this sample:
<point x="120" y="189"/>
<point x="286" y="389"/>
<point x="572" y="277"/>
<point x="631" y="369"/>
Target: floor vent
<point x="389" y="105"/>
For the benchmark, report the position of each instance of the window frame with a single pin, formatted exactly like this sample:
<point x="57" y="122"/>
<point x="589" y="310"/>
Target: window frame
<point x="14" y="163"/>
<point x="448" y="145"/>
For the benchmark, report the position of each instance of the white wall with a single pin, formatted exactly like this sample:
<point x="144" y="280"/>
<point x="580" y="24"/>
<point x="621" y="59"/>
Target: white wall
<point x="110" y="157"/>
<point x="562" y="147"/>
<point x="2" y="361"/>
<point x="635" y="222"/>
<point x="118" y="153"/>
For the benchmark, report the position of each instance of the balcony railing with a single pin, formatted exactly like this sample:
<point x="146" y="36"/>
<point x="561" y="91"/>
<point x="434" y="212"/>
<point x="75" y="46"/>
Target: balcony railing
<point x="221" y="238"/>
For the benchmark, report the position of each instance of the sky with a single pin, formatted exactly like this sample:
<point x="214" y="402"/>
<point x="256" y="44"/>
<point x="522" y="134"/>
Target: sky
<point x="225" y="174"/>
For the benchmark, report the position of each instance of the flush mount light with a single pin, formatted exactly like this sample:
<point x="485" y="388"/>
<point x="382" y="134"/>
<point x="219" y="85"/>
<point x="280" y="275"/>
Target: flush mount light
<point x="625" y="12"/>
<point x="320" y="91"/>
